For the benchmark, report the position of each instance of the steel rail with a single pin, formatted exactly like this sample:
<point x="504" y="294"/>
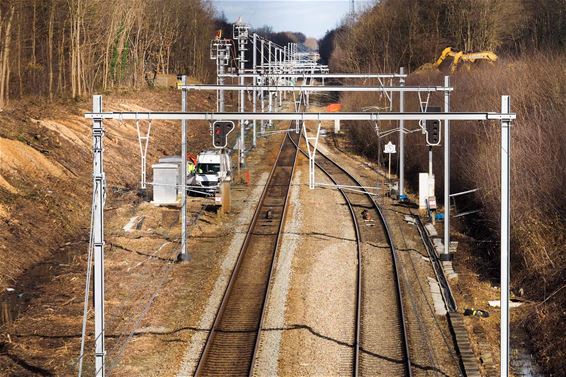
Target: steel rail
<point x="383" y="220"/>
<point x="200" y="370"/>
<point x="280" y="230"/>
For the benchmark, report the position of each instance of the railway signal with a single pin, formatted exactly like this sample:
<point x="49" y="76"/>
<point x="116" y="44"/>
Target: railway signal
<point x="433" y="132"/>
<point x="220" y="131"/>
<point x="433" y="128"/>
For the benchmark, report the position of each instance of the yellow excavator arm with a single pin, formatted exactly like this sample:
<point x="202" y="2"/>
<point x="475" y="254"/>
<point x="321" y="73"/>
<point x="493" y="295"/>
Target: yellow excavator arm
<point x="458" y="56"/>
<point x="448" y="51"/>
<point x="482" y="55"/>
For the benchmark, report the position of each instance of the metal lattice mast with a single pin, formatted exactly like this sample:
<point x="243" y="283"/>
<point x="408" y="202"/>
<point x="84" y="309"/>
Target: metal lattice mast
<point x="98" y="236"/>
<point x="262" y="93"/>
<point x="401" y="138"/>
<point x="241" y="34"/>
<point x="220" y="52"/>
<point x="269" y="72"/>
<point x="254" y="83"/>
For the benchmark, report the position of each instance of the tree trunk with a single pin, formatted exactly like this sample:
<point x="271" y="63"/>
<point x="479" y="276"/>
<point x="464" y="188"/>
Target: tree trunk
<point x="5" y="69"/>
<point x="50" y="47"/>
<point x="19" y="44"/>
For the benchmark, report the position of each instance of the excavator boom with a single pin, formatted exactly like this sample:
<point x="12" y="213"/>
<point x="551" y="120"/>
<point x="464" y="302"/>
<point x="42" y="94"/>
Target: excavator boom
<point x="483" y="55"/>
<point x="457" y="57"/>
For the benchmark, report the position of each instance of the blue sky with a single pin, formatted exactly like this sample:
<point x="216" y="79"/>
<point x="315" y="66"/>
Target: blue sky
<point x="311" y="17"/>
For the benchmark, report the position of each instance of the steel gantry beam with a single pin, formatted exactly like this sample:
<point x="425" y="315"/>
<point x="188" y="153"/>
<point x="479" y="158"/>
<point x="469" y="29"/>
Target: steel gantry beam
<point x="301" y="116"/>
<point x="307" y="88"/>
<point x="319" y="75"/>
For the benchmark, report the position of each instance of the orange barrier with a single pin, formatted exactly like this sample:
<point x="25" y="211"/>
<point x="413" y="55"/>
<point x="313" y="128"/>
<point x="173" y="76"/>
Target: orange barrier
<point x="192" y="157"/>
<point x="334" y="107"/>
<point x="247" y="177"/>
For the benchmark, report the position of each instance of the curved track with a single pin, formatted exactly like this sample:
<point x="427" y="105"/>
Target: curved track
<point x="231" y="345"/>
<point x="381" y="344"/>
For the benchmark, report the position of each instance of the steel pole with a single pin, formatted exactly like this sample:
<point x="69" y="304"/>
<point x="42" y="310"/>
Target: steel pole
<point x="219" y="77"/>
<point x="262" y="93"/>
<point x="505" y="233"/>
<point x="183" y="254"/>
<point x="269" y="57"/>
<point x="401" y="139"/>
<point x="275" y="68"/>
<point x="446" y="251"/>
<point x="284" y="70"/>
<point x="430" y="173"/>
<point x="389" y="170"/>
<point x="270" y="82"/>
<point x="254" y="82"/>
<point x="224" y="53"/>
<point x="241" y="43"/>
<point x="280" y="95"/>
<point x="98" y="236"/>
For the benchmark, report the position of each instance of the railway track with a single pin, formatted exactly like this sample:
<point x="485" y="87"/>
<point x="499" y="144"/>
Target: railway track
<point x="381" y="344"/>
<point x="232" y="342"/>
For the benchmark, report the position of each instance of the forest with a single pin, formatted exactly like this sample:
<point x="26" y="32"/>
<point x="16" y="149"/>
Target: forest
<point x="67" y="48"/>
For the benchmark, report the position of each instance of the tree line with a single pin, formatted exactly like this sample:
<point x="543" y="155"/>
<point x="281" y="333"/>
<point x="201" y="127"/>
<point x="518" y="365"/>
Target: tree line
<point x="410" y="32"/>
<point x="73" y="47"/>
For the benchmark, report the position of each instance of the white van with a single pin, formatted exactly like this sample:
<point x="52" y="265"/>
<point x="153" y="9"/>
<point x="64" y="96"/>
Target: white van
<point x="213" y="167"/>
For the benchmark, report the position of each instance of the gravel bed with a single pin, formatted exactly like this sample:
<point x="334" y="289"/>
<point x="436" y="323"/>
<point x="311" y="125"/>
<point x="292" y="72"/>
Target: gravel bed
<point x="317" y="333"/>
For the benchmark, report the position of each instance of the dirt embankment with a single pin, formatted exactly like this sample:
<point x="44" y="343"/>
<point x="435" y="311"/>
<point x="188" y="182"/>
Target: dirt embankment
<point x="46" y="169"/>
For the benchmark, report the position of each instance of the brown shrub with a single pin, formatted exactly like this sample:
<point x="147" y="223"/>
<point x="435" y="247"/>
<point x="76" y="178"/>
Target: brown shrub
<point x="537" y="86"/>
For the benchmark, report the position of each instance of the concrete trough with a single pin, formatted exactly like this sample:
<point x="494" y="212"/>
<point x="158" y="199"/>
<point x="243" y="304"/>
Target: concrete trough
<point x="431" y="230"/>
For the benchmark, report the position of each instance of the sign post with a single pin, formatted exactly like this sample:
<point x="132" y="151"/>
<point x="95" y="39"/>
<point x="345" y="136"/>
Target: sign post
<point x="389" y="149"/>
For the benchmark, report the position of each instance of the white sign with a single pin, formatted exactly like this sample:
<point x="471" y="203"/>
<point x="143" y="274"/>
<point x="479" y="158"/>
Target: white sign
<point x="389" y="148"/>
<point x="432" y="202"/>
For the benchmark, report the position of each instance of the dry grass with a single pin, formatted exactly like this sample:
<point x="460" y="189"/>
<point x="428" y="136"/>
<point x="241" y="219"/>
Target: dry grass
<point x="537" y="86"/>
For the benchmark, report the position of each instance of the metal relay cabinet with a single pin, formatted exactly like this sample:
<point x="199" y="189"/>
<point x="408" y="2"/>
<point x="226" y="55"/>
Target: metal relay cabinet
<point x="165" y="183"/>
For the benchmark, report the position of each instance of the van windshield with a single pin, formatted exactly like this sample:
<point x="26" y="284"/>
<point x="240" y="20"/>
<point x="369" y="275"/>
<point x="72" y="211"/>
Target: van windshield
<point x="208" y="168"/>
